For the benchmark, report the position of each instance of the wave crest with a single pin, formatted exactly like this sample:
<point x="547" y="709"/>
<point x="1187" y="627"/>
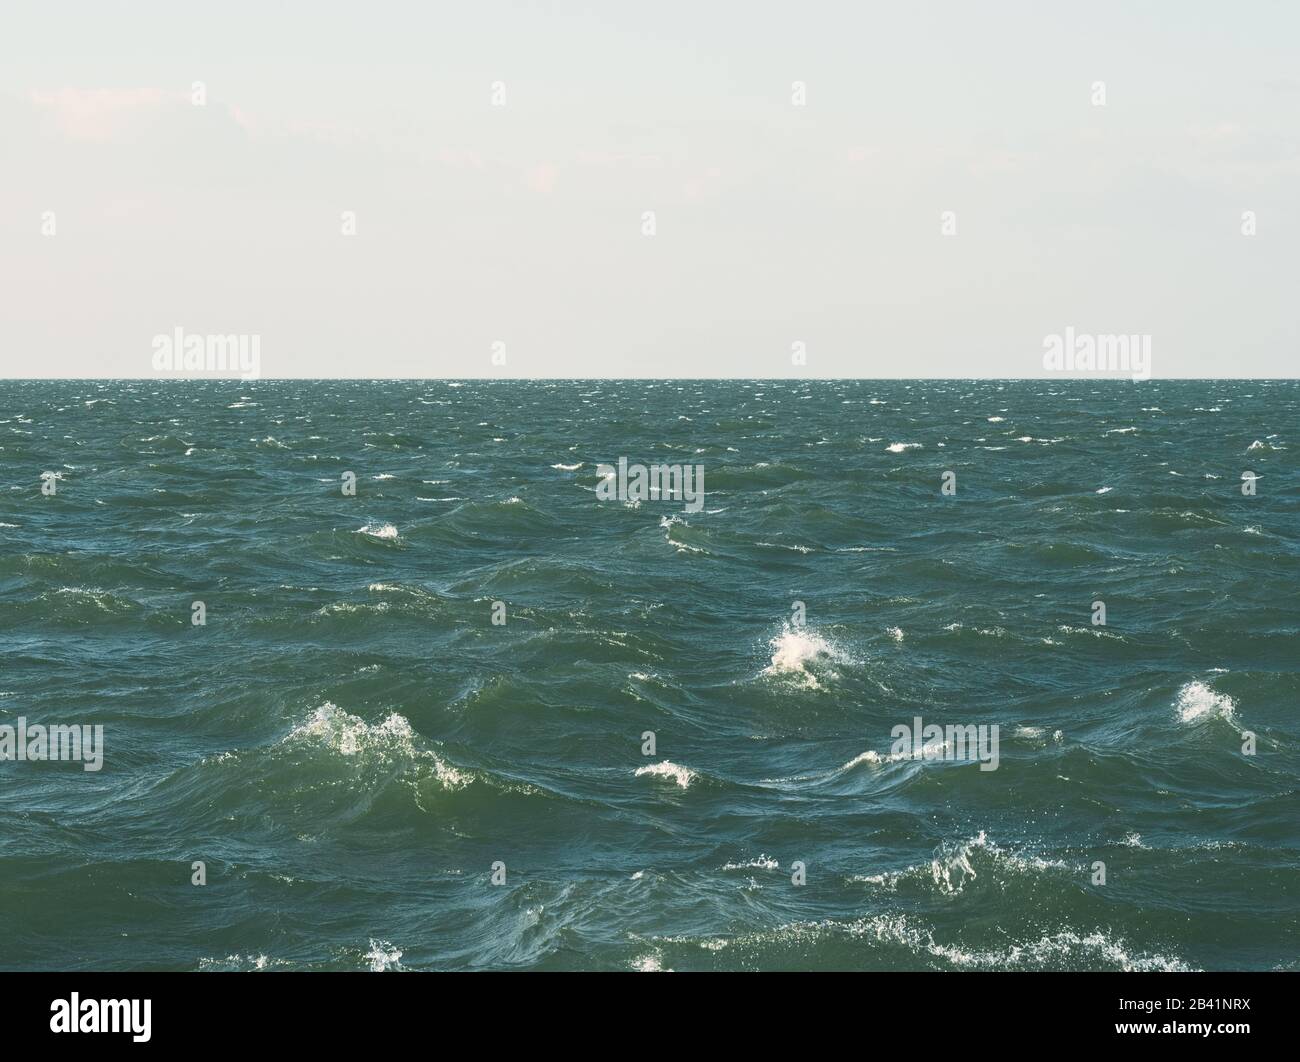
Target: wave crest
<point x="683" y="776"/>
<point x="348" y="735"/>
<point x="800" y="653"/>
<point x="1197" y="701"/>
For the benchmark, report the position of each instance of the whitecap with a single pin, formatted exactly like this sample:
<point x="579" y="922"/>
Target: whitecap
<point x="781" y="545"/>
<point x="795" y="650"/>
<point x="383" y="956"/>
<point x="238" y="962"/>
<point x="1198" y="701"/>
<point x="348" y="735"/>
<point x="762" y="862"/>
<point x="875" y="758"/>
<point x="683" y="776"/>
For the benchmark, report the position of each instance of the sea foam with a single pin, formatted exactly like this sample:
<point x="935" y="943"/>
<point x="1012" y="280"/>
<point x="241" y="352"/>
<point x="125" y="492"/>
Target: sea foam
<point x="348" y="735"/>
<point x="683" y="776"/>
<point x="1197" y="701"/>
<point x="383" y="956"/>
<point x="797" y="652"/>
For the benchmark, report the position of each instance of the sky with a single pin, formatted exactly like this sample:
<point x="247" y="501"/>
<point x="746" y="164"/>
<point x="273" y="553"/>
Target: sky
<point x="649" y="189"/>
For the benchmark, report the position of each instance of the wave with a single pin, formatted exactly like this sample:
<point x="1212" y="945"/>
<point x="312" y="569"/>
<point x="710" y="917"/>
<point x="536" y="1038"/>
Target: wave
<point x="332" y="729"/>
<point x="912" y="939"/>
<point x="802" y="654"/>
<point x="666" y="769"/>
<point x="875" y="758"/>
<point x="238" y="963"/>
<point x="330" y="770"/>
<point x="762" y="862"/>
<point x="955" y="864"/>
<point x="383" y="956"/>
<point x="675" y="530"/>
<point x="1197" y="701"/>
<point x="1037" y="734"/>
<point x="652" y="962"/>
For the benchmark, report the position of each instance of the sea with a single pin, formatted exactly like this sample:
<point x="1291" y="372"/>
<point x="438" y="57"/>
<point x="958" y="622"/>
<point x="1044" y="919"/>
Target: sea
<point x="389" y="678"/>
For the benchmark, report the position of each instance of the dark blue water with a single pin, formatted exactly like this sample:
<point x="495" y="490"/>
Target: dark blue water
<point x="350" y="743"/>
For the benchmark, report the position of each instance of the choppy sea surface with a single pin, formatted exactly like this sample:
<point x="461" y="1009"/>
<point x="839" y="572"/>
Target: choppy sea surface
<point x="350" y="744"/>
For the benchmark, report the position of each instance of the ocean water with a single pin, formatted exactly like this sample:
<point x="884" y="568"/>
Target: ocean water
<point x="351" y="744"/>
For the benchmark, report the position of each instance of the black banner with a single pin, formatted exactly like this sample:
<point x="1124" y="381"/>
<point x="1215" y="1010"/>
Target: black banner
<point x="1226" y="1011"/>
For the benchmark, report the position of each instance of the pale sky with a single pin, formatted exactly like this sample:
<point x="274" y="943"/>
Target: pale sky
<point x="775" y="224"/>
